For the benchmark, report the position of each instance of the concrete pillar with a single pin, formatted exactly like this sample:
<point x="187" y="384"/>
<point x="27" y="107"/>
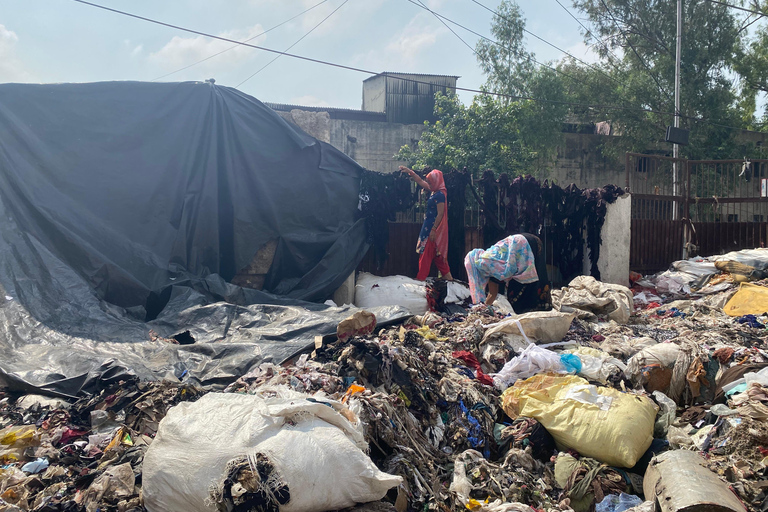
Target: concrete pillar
<point x="346" y="292"/>
<point x="614" y="249"/>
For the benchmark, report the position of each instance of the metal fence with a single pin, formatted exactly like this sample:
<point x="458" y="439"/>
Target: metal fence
<point x="685" y="208"/>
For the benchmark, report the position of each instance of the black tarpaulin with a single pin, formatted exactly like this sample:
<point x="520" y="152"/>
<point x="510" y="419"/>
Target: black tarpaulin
<point x="117" y="196"/>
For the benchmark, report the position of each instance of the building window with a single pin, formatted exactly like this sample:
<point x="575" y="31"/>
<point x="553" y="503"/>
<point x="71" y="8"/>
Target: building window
<point x="733" y="217"/>
<point x="642" y="164"/>
<point x="758" y="218"/>
<point x="757" y="170"/>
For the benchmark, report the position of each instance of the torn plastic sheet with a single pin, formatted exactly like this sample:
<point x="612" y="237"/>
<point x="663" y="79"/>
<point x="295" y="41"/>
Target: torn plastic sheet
<point x="57" y="337"/>
<point x="105" y="345"/>
<point x="123" y="202"/>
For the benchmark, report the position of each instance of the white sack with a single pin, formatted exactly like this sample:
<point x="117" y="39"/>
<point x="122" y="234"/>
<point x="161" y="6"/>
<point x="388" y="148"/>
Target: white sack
<point x="316" y="452"/>
<point x="372" y="291"/>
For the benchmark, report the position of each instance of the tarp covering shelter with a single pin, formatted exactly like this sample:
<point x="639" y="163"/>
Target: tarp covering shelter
<point x="127" y="206"/>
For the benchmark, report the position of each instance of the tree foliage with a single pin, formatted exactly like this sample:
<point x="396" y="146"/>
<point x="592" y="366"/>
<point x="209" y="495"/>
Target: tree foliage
<point x="498" y="132"/>
<point x="752" y="66"/>
<point x="723" y="73"/>
<point x="643" y="33"/>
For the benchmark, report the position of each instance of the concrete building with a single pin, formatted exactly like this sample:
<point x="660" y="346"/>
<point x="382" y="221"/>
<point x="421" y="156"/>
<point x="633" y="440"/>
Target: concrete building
<point x="394" y="108"/>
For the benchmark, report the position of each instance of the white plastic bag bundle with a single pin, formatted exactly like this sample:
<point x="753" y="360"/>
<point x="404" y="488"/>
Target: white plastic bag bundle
<point x="532" y="361"/>
<point x="316" y="455"/>
<point x="372" y="291"/>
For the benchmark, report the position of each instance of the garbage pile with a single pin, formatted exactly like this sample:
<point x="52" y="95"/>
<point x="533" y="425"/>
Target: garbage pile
<point x="86" y="455"/>
<point x="616" y="400"/>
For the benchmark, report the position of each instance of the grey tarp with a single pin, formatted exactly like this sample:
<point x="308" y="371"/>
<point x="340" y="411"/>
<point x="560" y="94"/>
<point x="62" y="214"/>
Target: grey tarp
<point x="124" y="202"/>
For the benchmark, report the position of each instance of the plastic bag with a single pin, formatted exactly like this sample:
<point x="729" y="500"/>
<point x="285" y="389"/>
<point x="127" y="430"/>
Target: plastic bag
<point x="760" y="377"/>
<point x="678" y="438"/>
<point x="306" y="446"/>
<point x="372" y="291"/>
<point x="625" y="347"/>
<point x="620" y="503"/>
<point x="571" y="363"/>
<point x="663" y="355"/>
<point x="532" y="361"/>
<point x="591" y="297"/>
<point x="603" y="423"/>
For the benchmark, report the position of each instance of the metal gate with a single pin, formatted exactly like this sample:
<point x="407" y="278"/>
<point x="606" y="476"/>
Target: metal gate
<point x="712" y="207"/>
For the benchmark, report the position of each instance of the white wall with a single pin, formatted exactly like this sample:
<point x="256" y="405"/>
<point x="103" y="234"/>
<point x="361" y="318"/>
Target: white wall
<point x="614" y="250"/>
<point x="613" y="263"/>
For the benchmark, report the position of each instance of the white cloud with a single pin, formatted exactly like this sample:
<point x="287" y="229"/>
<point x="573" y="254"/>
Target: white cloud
<point x="11" y="69"/>
<point x="404" y="50"/>
<point x="137" y="51"/>
<point x="182" y="51"/>
<point x="309" y="101"/>
<point x="408" y="45"/>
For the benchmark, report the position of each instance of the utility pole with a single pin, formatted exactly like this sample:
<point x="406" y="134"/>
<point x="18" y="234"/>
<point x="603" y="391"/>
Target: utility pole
<point x="676" y="147"/>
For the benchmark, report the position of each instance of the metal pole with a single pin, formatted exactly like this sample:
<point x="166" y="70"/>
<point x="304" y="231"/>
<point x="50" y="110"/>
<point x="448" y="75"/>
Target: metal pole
<point x="676" y="147"/>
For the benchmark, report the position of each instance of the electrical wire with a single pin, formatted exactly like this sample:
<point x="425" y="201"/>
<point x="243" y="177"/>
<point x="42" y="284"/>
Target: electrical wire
<point x="440" y="19"/>
<point x="550" y="44"/>
<point x="412" y="80"/>
<point x="528" y="57"/>
<point x="262" y="68"/>
<point x="604" y="45"/>
<point x="650" y="73"/>
<point x="738" y="8"/>
<point x="244" y="41"/>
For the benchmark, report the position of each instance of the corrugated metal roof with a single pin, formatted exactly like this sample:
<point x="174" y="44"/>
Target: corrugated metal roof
<point x="391" y="73"/>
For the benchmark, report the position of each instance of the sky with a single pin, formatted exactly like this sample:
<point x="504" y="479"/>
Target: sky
<point x="50" y="41"/>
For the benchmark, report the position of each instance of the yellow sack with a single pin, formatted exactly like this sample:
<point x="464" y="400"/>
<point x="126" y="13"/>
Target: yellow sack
<point x="751" y="299"/>
<point x="603" y="423"/>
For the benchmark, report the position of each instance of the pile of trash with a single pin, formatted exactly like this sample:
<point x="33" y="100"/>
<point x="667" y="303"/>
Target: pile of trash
<point x="616" y="400"/>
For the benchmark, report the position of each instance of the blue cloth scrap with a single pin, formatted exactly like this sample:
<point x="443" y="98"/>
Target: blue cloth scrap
<point x="752" y="321"/>
<point x="475" y="436"/>
<point x="36" y="466"/>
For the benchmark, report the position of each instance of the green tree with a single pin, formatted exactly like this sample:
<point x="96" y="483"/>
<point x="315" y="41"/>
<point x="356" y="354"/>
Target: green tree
<point x="631" y="88"/>
<point x="500" y="132"/>
<point x="752" y="66"/>
<point x="643" y="33"/>
<point x="487" y="134"/>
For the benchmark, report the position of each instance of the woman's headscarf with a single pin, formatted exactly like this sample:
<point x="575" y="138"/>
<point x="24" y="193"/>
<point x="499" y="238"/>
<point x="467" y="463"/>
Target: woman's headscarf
<point x="436" y="182"/>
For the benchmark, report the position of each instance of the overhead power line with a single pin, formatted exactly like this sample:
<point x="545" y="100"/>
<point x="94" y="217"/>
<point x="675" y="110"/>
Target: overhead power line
<point x="439" y="18"/>
<point x="262" y="68"/>
<point x="528" y="57"/>
<point x="244" y="41"/>
<point x="412" y="80"/>
<point x="645" y="65"/>
<point x="604" y="45"/>
<point x="547" y="42"/>
<point x="738" y="8"/>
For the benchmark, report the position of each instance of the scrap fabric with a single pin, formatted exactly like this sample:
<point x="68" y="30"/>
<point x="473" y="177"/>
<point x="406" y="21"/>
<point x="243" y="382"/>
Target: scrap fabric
<point x="510" y="258"/>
